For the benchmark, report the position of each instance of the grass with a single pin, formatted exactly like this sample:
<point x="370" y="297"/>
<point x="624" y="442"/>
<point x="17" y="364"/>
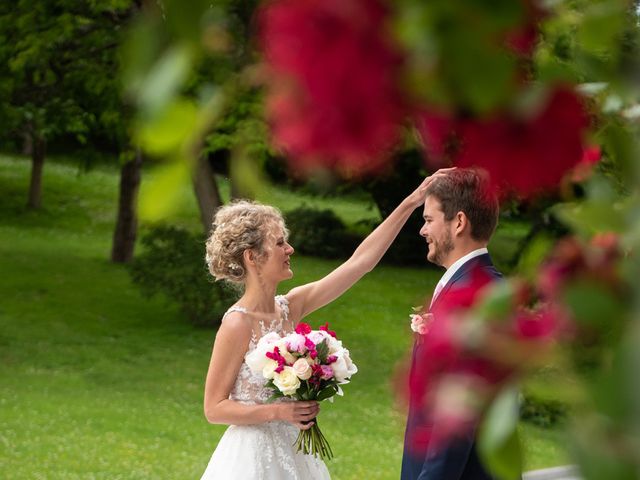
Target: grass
<point x="100" y="383"/>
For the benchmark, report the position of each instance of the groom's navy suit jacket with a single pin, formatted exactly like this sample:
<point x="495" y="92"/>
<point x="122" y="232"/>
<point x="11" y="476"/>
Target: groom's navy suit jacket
<point x="458" y="460"/>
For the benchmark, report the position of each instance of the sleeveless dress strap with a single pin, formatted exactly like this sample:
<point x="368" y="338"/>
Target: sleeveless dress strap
<point x="283" y="303"/>
<point x="234" y="308"/>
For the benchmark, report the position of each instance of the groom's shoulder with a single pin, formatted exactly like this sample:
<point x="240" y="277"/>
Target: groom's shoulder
<point x="492" y="271"/>
<point x="477" y="273"/>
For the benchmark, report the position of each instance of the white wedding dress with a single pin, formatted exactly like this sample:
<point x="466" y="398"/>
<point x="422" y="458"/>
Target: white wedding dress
<point x="263" y="451"/>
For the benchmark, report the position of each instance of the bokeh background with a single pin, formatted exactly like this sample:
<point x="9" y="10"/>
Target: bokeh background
<point x="125" y="124"/>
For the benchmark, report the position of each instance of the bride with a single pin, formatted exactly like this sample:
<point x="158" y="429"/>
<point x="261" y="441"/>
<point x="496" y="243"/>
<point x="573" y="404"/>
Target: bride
<point x="248" y="246"/>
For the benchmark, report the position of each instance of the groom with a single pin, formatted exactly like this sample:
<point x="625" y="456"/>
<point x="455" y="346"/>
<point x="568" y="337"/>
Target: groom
<point x="460" y="215"/>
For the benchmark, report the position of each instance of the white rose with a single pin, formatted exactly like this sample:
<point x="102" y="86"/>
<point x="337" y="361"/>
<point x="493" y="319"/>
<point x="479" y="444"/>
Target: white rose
<point x="302" y="369"/>
<point x="257" y="359"/>
<point x="334" y="345"/>
<point x="270" y="338"/>
<point x="343" y="367"/>
<point x="287" y="381"/>
<point x="269" y="369"/>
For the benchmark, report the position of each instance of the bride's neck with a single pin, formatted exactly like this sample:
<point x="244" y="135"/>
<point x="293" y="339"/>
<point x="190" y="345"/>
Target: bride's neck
<point x="258" y="297"/>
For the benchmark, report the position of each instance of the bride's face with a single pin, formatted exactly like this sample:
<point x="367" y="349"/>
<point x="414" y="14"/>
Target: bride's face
<point x="277" y="266"/>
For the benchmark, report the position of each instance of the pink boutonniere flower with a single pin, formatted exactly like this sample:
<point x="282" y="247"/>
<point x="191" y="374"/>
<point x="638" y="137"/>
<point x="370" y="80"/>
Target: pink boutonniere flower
<point x="420" y="323"/>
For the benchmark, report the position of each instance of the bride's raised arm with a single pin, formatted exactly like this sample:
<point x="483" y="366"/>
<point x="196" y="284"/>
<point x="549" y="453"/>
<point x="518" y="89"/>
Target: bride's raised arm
<point x="311" y="296"/>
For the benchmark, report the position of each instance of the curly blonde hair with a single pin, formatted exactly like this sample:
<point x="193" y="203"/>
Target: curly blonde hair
<point x="237" y="227"/>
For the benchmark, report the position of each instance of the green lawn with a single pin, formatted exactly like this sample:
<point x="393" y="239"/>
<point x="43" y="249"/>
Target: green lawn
<point x="100" y="383"/>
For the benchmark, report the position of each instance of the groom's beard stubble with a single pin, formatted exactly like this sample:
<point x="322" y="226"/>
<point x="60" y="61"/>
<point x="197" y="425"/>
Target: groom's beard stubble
<point x="439" y="249"/>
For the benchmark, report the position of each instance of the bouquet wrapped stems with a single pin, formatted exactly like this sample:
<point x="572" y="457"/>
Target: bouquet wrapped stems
<point x="313" y="442"/>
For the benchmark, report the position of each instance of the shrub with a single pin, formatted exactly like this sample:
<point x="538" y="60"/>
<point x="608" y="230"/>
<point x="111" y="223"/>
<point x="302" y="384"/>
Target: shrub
<point x="320" y="233"/>
<point x="172" y="264"/>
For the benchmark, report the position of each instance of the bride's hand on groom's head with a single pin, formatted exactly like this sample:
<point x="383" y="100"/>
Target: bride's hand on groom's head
<point x="301" y="414"/>
<point x="419" y="194"/>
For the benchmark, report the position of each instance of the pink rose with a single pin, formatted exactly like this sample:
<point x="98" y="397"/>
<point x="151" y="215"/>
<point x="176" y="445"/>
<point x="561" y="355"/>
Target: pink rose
<point x="327" y="372"/>
<point x="420" y="323"/>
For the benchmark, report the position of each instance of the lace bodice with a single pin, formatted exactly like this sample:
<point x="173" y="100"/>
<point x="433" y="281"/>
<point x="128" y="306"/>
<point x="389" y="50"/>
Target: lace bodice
<point x="249" y="388"/>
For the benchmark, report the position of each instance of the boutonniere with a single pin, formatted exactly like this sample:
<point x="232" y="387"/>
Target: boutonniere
<point x="420" y="322"/>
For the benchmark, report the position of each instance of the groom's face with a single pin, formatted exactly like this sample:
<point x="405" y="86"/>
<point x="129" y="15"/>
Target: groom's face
<point x="437" y="232"/>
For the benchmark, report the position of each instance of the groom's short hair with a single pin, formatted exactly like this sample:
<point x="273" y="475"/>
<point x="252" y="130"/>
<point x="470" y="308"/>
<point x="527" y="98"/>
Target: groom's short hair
<point x="470" y="191"/>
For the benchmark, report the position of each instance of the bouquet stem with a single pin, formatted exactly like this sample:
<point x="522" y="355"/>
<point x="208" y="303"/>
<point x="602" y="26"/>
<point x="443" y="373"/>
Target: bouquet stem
<point x="313" y="442"/>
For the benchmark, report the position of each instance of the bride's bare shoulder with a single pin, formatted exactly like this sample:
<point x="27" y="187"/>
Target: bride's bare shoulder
<point x="236" y="324"/>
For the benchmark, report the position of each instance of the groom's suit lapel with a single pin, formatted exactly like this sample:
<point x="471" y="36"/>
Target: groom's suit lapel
<point x="461" y="274"/>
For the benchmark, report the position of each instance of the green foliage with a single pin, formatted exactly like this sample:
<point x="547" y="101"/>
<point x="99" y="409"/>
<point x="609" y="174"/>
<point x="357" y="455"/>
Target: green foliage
<point x="56" y="71"/>
<point x="499" y="442"/>
<point x="319" y="233"/>
<point x="544" y="413"/>
<point x="185" y="69"/>
<point x="172" y="264"/>
<point x="457" y="61"/>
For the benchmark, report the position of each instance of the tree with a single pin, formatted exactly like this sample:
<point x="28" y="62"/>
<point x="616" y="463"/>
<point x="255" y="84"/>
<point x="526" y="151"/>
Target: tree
<point x="206" y="85"/>
<point x="57" y="80"/>
<point x="54" y="58"/>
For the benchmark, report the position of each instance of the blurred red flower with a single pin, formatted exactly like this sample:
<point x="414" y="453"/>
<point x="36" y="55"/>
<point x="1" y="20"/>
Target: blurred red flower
<point x="584" y="168"/>
<point x="445" y="352"/>
<point x="333" y="98"/>
<point x="573" y="260"/>
<point x="524" y="38"/>
<point x="522" y="155"/>
<point x="466" y="358"/>
<point x="542" y="324"/>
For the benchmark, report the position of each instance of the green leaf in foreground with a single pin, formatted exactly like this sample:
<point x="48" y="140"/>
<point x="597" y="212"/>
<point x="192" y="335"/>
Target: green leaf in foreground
<point x="499" y="444"/>
<point x="326" y="393"/>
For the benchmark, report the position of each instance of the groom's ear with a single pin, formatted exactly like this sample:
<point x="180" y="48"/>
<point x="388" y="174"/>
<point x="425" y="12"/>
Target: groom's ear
<point x="461" y="223"/>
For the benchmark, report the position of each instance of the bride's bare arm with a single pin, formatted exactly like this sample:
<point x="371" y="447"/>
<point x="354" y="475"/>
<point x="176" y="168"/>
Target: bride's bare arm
<point x="307" y="298"/>
<point x="228" y="353"/>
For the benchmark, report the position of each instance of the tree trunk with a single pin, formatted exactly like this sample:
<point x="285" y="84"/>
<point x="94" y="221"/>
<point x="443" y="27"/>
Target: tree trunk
<point x="27" y="145"/>
<point x="234" y="190"/>
<point x="37" y="163"/>
<point x="124" y="235"/>
<point x="206" y="190"/>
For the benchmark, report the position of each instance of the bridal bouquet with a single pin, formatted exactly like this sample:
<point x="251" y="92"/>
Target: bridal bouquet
<point x="305" y="365"/>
